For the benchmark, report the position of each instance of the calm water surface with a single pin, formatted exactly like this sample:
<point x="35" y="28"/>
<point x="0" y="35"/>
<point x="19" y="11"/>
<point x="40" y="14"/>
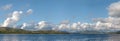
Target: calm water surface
<point x="59" y="37"/>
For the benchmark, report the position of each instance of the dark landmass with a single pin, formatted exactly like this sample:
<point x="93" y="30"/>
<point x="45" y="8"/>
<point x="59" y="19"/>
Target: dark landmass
<point x="118" y="32"/>
<point x="7" y="30"/>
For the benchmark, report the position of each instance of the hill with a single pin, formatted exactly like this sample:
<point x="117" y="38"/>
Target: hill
<point x="8" y="30"/>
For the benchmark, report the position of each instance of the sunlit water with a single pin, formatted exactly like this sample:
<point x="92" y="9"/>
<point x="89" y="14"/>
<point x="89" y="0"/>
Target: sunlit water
<point x="59" y="37"/>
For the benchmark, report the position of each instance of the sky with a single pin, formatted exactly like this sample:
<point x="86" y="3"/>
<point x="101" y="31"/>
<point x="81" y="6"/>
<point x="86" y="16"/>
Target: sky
<point x="56" y="11"/>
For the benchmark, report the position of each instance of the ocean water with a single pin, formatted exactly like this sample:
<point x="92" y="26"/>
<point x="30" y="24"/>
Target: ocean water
<point x="59" y="37"/>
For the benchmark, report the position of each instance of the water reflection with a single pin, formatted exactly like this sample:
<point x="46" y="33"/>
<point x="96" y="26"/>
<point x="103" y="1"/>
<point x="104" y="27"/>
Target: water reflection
<point x="60" y="37"/>
<point x="8" y="38"/>
<point x="115" y="37"/>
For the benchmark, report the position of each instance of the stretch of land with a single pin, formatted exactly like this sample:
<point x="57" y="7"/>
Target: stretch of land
<point x="8" y="30"/>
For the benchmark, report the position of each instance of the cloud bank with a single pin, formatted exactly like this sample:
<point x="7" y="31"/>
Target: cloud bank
<point x="109" y="24"/>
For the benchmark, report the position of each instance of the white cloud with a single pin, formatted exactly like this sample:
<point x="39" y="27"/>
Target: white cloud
<point x="111" y="23"/>
<point x="29" y="26"/>
<point x="42" y="25"/>
<point x="108" y="24"/>
<point x="24" y="25"/>
<point x="74" y="27"/>
<point x="64" y="27"/>
<point x="114" y="9"/>
<point x="29" y="11"/>
<point x="13" y="19"/>
<point x="6" y="7"/>
<point x="10" y="21"/>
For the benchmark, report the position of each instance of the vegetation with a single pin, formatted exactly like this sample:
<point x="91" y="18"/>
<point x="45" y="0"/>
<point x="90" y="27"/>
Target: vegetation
<point x="118" y="32"/>
<point x="7" y="30"/>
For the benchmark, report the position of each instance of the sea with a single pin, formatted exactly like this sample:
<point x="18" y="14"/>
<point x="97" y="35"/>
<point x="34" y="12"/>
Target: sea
<point x="59" y="37"/>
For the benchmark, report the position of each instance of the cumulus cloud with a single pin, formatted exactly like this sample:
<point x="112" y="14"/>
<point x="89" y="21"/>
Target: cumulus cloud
<point x="13" y="19"/>
<point x="24" y="25"/>
<point x="29" y="26"/>
<point x="112" y="22"/>
<point x="42" y="25"/>
<point x="6" y="7"/>
<point x="114" y="9"/>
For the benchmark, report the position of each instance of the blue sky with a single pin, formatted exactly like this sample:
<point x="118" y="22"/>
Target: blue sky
<point x="55" y="11"/>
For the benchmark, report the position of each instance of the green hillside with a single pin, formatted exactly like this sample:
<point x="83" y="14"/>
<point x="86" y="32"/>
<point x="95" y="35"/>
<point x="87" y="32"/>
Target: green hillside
<point x="7" y="30"/>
